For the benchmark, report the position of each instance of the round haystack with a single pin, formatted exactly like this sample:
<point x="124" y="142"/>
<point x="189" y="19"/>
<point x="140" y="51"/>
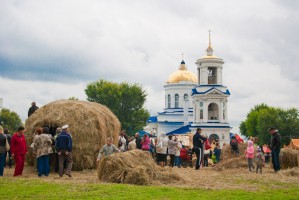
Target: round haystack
<point x="89" y="124"/>
<point x="288" y="158"/>
<point x="231" y="160"/>
<point x="134" y="167"/>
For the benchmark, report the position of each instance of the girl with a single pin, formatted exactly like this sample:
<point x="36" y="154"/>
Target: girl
<point x="250" y="155"/>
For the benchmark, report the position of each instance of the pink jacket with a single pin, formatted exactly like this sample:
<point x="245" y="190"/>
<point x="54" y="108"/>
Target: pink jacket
<point x="145" y="144"/>
<point x="250" y="150"/>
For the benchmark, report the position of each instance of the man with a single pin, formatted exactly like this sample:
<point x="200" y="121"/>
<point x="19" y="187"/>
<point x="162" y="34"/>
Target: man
<point x="138" y="141"/>
<point x="18" y="150"/>
<point x="32" y="109"/>
<point x="64" y="148"/>
<point x="198" y="141"/>
<point x="275" y="145"/>
<point x="107" y="149"/>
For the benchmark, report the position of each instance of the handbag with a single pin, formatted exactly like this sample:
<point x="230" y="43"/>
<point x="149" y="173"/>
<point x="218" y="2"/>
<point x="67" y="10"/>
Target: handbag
<point x="7" y="146"/>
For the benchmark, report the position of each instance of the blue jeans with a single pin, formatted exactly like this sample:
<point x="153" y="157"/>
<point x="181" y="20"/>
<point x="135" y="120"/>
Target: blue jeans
<point x="275" y="159"/>
<point x="2" y="161"/>
<point x="177" y="161"/>
<point x="43" y="166"/>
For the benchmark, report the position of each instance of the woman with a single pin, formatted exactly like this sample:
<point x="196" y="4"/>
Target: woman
<point x="18" y="150"/>
<point x="172" y="145"/>
<point x="122" y="142"/>
<point x="145" y="143"/>
<point x="8" y="137"/>
<point x="42" y="148"/>
<point x="161" y="150"/>
<point x="2" y="150"/>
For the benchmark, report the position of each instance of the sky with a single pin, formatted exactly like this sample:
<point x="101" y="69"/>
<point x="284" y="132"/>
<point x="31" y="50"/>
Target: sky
<point x="52" y="49"/>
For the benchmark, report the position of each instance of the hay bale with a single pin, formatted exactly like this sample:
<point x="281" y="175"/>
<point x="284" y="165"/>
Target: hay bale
<point x="226" y="152"/>
<point x="89" y="124"/>
<point x="133" y="167"/>
<point x="288" y="158"/>
<point x="230" y="160"/>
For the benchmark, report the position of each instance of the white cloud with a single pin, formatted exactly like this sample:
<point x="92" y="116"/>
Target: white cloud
<point x="51" y="49"/>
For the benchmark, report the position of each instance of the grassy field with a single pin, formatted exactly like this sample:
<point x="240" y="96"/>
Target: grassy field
<point x="204" y="184"/>
<point x="24" y="188"/>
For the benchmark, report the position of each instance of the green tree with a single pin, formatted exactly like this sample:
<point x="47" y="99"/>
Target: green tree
<point x="261" y="117"/>
<point x="10" y="120"/>
<point x="125" y="100"/>
<point x="73" y="98"/>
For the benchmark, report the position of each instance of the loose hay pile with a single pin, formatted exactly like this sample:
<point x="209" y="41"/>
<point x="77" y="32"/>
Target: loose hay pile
<point x="290" y="172"/>
<point x="134" y="167"/>
<point x="230" y="160"/>
<point x="89" y="124"/>
<point x="288" y="158"/>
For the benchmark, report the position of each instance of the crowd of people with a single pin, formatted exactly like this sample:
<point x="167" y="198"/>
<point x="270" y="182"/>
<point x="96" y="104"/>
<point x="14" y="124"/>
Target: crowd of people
<point x="59" y="146"/>
<point x="44" y="145"/>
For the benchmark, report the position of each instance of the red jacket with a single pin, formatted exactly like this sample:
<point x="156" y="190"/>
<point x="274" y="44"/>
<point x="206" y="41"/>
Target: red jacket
<point x="18" y="144"/>
<point x="184" y="154"/>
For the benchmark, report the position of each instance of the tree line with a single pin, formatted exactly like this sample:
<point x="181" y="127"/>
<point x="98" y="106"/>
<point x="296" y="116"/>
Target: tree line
<point x="261" y="117"/>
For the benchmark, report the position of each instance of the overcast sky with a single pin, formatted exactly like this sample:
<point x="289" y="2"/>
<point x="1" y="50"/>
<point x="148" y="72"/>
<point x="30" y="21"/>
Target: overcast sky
<point x="52" y="49"/>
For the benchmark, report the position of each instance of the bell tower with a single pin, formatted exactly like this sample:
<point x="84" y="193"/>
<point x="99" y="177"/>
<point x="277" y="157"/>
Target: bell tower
<point x="210" y="97"/>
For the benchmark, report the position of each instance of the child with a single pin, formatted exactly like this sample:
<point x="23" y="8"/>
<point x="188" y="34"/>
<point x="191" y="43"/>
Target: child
<point x="260" y="160"/>
<point x="217" y="152"/>
<point x="250" y="155"/>
<point x="234" y="145"/>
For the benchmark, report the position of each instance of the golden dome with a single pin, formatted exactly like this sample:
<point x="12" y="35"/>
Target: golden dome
<point x="182" y="74"/>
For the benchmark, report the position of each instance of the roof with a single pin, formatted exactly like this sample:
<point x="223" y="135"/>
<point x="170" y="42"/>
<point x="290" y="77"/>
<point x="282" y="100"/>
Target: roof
<point x="182" y="130"/>
<point x="142" y="132"/>
<point x="152" y="119"/>
<point x="294" y="144"/>
<point x="194" y="91"/>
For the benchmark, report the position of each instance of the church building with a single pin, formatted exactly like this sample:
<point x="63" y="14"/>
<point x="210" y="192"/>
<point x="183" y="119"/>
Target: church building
<point x="195" y="102"/>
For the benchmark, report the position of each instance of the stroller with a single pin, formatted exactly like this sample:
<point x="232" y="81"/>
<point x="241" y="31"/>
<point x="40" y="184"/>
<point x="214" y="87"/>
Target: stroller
<point x="186" y="157"/>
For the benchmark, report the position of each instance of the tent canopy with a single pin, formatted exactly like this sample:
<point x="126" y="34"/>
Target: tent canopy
<point x="182" y="130"/>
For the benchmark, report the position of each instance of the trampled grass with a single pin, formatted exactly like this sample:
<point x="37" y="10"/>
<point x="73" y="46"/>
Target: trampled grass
<point x="22" y="188"/>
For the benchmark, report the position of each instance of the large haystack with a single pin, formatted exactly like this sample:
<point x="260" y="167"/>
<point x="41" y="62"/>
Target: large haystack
<point x="288" y="158"/>
<point x="133" y="167"/>
<point x="89" y="124"/>
<point x="230" y="160"/>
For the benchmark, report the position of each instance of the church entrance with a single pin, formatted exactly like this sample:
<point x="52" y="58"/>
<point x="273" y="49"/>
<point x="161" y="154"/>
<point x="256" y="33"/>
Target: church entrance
<point x="213" y="112"/>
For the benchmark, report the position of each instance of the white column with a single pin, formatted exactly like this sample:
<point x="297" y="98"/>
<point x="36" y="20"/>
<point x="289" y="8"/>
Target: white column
<point x="219" y="75"/>
<point x="221" y="111"/>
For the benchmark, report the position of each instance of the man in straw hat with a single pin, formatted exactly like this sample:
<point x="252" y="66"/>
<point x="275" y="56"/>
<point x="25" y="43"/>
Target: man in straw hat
<point x="64" y="148"/>
<point x="275" y="146"/>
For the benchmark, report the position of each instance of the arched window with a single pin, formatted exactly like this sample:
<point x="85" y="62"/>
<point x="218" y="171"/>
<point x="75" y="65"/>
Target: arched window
<point x="168" y="101"/>
<point x="176" y="101"/>
<point x="185" y="97"/>
<point x="213" y="112"/>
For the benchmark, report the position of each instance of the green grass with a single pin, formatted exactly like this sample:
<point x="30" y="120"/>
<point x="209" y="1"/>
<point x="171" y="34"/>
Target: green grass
<point x="18" y="188"/>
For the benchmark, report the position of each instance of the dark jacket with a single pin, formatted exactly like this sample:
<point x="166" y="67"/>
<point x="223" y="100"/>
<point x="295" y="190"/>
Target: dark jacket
<point x="275" y="142"/>
<point x="198" y="140"/>
<point x="2" y="143"/>
<point x="31" y="110"/>
<point x="63" y="141"/>
<point x="138" y="143"/>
